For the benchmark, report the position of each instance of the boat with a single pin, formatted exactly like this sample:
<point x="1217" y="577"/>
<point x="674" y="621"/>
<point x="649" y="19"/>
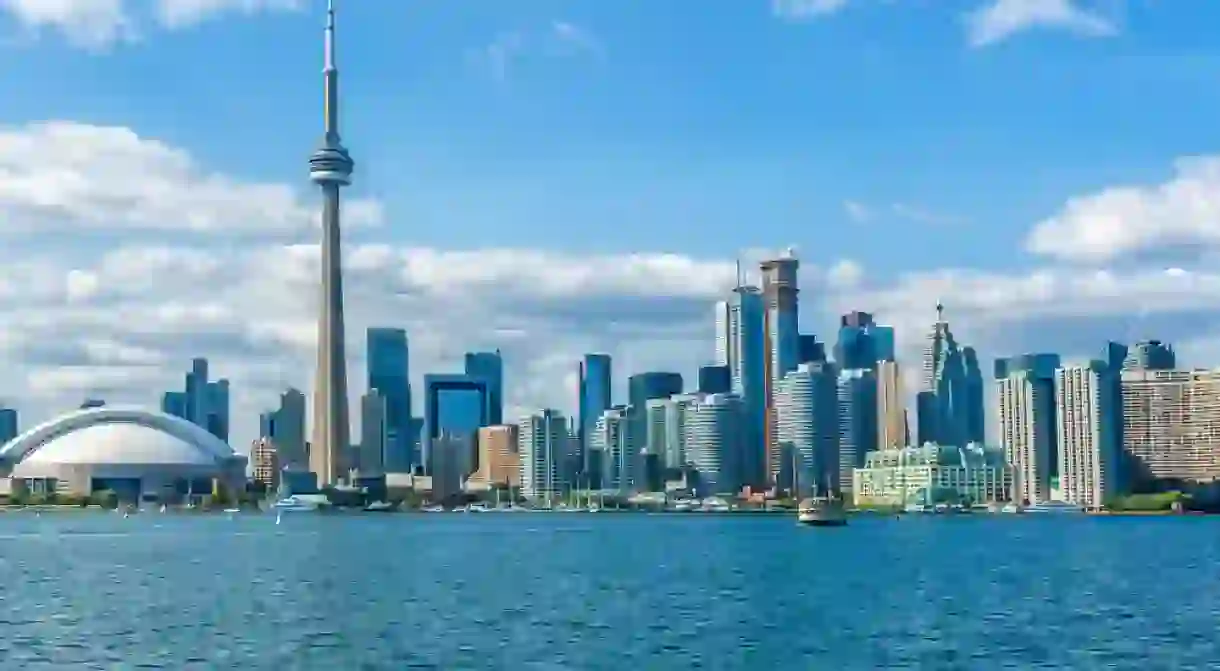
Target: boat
<point x="1011" y="509"/>
<point x="479" y="507"/>
<point x="1055" y="508"/>
<point x="293" y="504"/>
<point x="819" y="511"/>
<point x="380" y="507"/>
<point x="433" y="509"/>
<point x="232" y="510"/>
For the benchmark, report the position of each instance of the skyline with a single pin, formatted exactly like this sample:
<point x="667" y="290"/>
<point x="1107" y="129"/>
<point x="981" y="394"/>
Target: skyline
<point x="492" y="217"/>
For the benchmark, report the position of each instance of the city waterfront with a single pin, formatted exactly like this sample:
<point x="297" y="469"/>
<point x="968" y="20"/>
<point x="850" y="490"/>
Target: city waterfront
<point x="608" y="592"/>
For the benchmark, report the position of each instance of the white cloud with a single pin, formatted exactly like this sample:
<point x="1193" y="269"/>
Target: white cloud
<point x="806" y="9"/>
<point x="181" y="13"/>
<point x="86" y="23"/>
<point x="1001" y="19"/>
<point x="1183" y="212"/>
<point x="99" y="23"/>
<point x="56" y="175"/>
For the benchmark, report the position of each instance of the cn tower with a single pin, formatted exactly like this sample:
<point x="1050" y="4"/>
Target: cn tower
<point x="330" y="167"/>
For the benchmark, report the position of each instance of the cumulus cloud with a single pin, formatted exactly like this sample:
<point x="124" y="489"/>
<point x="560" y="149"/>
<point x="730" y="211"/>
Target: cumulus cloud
<point x="1000" y="19"/>
<point x="1181" y="213"/>
<point x="99" y="23"/>
<point x="65" y="175"/>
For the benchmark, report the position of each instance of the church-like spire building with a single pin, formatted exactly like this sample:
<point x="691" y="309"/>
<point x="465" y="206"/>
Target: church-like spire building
<point x="950" y="403"/>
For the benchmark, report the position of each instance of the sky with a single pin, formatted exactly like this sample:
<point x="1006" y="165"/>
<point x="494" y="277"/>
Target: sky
<point x="555" y="177"/>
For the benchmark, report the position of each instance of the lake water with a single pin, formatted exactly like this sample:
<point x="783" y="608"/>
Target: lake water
<point x="94" y="590"/>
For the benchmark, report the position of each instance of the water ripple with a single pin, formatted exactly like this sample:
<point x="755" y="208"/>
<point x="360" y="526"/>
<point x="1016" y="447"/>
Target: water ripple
<point x="613" y="592"/>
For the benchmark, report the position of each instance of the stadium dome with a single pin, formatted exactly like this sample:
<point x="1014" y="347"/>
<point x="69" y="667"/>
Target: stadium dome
<point x="132" y="451"/>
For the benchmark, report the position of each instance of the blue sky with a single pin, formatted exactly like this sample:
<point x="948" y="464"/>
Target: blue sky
<point x="906" y="148"/>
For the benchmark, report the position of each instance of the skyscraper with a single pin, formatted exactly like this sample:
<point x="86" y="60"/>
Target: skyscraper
<point x="285" y="426"/>
<point x="374" y="433"/>
<point x="489" y="367"/>
<point x="330" y="167"/>
<point x="740" y="346"/>
<point x="857" y="422"/>
<point x="1028" y="428"/>
<point x="8" y="424"/>
<point x="542" y="439"/>
<point x="389" y="372"/>
<point x="594" y="399"/>
<point x="781" y="340"/>
<point x="713" y="434"/>
<point x="807" y="429"/>
<point x="950" y="404"/>
<point x="1088" y="416"/>
<point x="891" y="409"/>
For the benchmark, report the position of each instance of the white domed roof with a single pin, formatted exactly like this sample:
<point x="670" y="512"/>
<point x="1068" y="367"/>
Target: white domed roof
<point x="111" y="435"/>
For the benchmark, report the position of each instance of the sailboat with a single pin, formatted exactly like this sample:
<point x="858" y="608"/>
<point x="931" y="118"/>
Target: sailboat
<point x="818" y="511"/>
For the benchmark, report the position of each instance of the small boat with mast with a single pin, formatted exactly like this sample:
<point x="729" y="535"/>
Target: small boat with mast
<point x="818" y="511"/>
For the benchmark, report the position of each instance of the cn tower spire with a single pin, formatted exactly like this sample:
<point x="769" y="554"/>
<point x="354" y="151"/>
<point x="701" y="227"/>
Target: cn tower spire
<point x="330" y="167"/>
<point x="331" y="74"/>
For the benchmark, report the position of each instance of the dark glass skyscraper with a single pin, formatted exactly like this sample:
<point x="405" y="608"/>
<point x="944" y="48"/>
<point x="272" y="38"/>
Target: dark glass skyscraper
<point x="810" y="350"/>
<point x="715" y="380"/>
<point x="389" y="372"/>
<point x="594" y="399"/>
<point x="8" y="424"/>
<point x="489" y="367"/>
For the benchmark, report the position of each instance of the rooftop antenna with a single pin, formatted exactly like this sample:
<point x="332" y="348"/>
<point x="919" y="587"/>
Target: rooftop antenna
<point x="940" y="312"/>
<point x="739" y="272"/>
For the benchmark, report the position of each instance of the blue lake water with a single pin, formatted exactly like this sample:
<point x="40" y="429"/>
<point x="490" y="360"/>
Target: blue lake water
<point x="606" y="592"/>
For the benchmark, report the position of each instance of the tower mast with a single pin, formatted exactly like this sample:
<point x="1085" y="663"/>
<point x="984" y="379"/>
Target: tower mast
<point x="330" y="167"/>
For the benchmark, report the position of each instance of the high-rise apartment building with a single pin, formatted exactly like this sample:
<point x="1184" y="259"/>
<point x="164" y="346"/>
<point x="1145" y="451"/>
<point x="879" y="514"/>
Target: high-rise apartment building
<point x="542" y="443"/>
<point x="781" y="342"/>
<point x="807" y="413"/>
<point x="1025" y="390"/>
<point x="389" y="372"/>
<point x="499" y="461"/>
<point x="713" y="435"/>
<point x="614" y="450"/>
<point x="1088" y="415"/>
<point x="1171" y="425"/>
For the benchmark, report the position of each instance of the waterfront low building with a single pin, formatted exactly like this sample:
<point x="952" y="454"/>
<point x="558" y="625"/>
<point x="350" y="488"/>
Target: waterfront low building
<point x="933" y="474"/>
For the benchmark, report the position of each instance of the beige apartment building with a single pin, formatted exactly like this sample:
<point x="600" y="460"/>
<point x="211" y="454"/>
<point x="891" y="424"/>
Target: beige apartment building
<point x="1171" y="423"/>
<point x="499" y="462"/>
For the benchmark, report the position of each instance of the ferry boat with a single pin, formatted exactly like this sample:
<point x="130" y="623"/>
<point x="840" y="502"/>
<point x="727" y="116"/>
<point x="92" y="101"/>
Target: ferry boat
<point x="821" y="511"/>
<point x="380" y="507"/>
<point x="818" y="511"/>
<point x="1055" y="508"/>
